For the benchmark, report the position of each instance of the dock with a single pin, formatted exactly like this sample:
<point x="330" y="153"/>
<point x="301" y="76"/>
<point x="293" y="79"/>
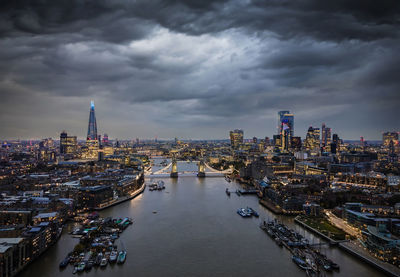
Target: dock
<point x="347" y="246"/>
<point x="121" y="199"/>
<point x="305" y="255"/>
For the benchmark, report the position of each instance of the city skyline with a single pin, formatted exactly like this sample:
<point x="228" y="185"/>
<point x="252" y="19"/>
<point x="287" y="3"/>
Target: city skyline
<point x="197" y="69"/>
<point x="92" y="131"/>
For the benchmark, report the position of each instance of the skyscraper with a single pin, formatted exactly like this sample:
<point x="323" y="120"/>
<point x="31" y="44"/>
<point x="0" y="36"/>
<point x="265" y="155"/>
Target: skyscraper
<point x="388" y="137"/>
<point x="92" y="128"/>
<point x="285" y="128"/>
<point x="68" y="144"/>
<point x="105" y="140"/>
<point x="335" y="145"/>
<point x="236" y="137"/>
<point x="312" y="141"/>
<point x="285" y="118"/>
<point x="326" y="137"/>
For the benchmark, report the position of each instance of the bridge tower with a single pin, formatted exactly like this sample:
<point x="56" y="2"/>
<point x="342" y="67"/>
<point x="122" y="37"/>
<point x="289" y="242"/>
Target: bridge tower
<point x="174" y="169"/>
<point x="201" y="172"/>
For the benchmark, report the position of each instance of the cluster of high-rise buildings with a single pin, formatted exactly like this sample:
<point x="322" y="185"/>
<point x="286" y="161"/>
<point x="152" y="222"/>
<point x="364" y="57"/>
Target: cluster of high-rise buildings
<point x="317" y="140"/>
<point x="94" y="146"/>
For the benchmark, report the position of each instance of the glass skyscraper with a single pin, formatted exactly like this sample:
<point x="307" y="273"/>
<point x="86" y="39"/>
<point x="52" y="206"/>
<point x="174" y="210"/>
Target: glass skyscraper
<point x="285" y="128"/>
<point x="92" y="128"/>
<point x="236" y="137"/>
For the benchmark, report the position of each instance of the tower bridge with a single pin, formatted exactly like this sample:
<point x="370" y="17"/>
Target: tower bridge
<point x="203" y="170"/>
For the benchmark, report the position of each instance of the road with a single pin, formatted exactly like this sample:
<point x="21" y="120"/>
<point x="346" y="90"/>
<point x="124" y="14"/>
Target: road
<point x="340" y="223"/>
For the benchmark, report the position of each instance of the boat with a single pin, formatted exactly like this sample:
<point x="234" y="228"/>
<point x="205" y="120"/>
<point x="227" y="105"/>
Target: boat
<point x="81" y="266"/>
<point x="65" y="262"/>
<point x="113" y="256"/>
<point x="160" y="185"/>
<point x="227" y="192"/>
<point x="103" y="262"/>
<point x="89" y="265"/>
<point x="98" y="259"/>
<point x="243" y="213"/>
<point x="252" y="211"/>
<point x="121" y="257"/>
<point x="333" y="265"/>
<point x="301" y="263"/>
<point x="278" y="241"/>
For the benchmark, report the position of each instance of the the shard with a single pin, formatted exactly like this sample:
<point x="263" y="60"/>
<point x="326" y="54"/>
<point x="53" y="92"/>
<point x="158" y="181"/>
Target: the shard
<point x="92" y="128"/>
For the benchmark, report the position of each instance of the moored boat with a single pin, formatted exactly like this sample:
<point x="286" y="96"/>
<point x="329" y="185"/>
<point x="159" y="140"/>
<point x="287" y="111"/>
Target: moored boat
<point x="65" y="262"/>
<point x="113" y="256"/>
<point x="300" y="262"/>
<point x="121" y="257"/>
<point x="81" y="266"/>
<point x="103" y="262"/>
<point x="98" y="259"/>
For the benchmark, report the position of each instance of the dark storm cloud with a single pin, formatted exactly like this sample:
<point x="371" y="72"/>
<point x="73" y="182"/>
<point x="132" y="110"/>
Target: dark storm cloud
<point x="199" y="63"/>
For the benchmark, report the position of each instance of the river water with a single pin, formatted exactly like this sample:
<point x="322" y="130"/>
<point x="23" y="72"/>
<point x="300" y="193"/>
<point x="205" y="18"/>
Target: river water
<point x="195" y="232"/>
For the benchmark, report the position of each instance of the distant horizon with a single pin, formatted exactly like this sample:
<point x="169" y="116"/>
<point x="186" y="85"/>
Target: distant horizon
<point x="167" y="139"/>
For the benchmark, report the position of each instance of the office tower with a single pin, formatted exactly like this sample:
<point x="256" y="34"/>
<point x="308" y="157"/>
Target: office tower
<point x="277" y="141"/>
<point x="312" y="141"/>
<point x="286" y="120"/>
<point x="326" y="136"/>
<point x="236" y="137"/>
<point x="280" y="117"/>
<point x="335" y="145"/>
<point x="105" y="140"/>
<point x="267" y="141"/>
<point x="388" y="137"/>
<point x="68" y="144"/>
<point x="255" y="140"/>
<point x="92" y="128"/>
<point x="295" y="143"/>
<point x="391" y="148"/>
<point x="285" y="128"/>
<point x="362" y="141"/>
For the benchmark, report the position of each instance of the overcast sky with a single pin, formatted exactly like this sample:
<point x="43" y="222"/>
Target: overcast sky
<point x="197" y="69"/>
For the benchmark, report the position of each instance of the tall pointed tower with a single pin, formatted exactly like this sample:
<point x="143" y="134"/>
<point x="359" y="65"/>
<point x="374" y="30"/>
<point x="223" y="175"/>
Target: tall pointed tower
<point x="92" y="128"/>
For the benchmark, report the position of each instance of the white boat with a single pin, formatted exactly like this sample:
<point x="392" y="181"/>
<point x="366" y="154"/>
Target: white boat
<point x="113" y="256"/>
<point x="103" y="262"/>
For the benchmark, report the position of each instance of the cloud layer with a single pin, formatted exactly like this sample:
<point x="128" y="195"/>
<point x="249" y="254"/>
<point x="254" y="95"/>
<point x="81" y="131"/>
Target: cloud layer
<point x="196" y="69"/>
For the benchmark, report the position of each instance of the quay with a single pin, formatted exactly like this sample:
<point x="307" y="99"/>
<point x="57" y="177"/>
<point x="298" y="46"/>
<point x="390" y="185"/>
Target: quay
<point x="121" y="199"/>
<point x="304" y="254"/>
<point x="386" y="268"/>
<point x="346" y="246"/>
<point x="248" y="191"/>
<point x="270" y="206"/>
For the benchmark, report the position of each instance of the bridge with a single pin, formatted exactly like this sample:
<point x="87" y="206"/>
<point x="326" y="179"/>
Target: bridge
<point x="203" y="170"/>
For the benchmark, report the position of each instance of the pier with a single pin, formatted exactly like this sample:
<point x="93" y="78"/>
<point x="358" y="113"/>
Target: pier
<point x="121" y="199"/>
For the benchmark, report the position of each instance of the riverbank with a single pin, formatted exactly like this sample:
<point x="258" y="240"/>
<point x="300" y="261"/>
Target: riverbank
<point x="158" y="243"/>
<point x="356" y="251"/>
<point x="270" y="206"/>
<point x="386" y="268"/>
<point x="315" y="231"/>
<point x="122" y="199"/>
<point x="323" y="226"/>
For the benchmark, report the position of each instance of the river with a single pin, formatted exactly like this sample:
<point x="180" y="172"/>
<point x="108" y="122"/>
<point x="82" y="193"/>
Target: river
<point x="195" y="232"/>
